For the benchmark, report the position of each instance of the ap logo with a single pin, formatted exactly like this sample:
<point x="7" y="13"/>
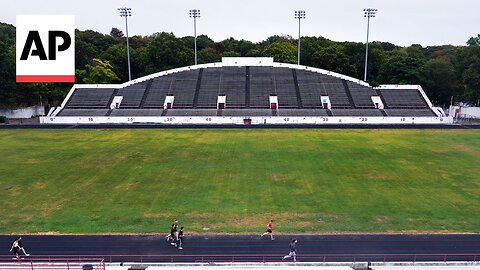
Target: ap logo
<point x="45" y="48"/>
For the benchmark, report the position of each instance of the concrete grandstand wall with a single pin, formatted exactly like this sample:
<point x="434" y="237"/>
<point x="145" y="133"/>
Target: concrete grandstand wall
<point x="201" y="120"/>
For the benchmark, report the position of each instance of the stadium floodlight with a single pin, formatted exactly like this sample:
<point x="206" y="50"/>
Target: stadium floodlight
<point x="299" y="14"/>
<point x="369" y="13"/>
<point x="195" y="13"/>
<point x="126" y="12"/>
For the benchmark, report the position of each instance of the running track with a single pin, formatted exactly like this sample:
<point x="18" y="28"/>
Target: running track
<point x="121" y="248"/>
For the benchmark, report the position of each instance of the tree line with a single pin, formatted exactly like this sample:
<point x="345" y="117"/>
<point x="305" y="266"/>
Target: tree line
<point x="443" y="71"/>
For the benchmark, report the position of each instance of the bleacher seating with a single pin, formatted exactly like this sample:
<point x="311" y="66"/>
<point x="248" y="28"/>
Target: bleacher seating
<point x="196" y="92"/>
<point x="311" y="88"/>
<point x="209" y="88"/>
<point x="356" y="112"/>
<point x="132" y="95"/>
<point x="410" y="112"/>
<point x="158" y="91"/>
<point x="90" y="98"/>
<point x="232" y="85"/>
<point x="83" y="112"/>
<point x="336" y="91"/>
<point x="285" y="88"/>
<point x="302" y="112"/>
<point x="361" y="95"/>
<point x="191" y="112"/>
<point x="136" y="112"/>
<point x="247" y="112"/>
<point x="184" y="84"/>
<point x="261" y="86"/>
<point x="403" y="98"/>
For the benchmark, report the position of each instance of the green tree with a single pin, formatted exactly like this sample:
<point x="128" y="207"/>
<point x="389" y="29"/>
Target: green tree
<point x="240" y="47"/>
<point x="208" y="55"/>
<point x="333" y="58"/>
<point x="401" y="68"/>
<point x="355" y="51"/>
<point x="203" y="42"/>
<point x="376" y="58"/>
<point x="117" y="34"/>
<point x="468" y="69"/>
<point x="100" y="72"/>
<point x="165" y="51"/>
<point x="100" y="41"/>
<point x="282" y="51"/>
<point x="116" y="55"/>
<point x="474" y="41"/>
<point x="309" y="46"/>
<point x="441" y="75"/>
<point x="90" y="44"/>
<point x="8" y="93"/>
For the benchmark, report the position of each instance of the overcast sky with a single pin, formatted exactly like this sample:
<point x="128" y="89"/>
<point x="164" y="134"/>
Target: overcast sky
<point x="402" y="22"/>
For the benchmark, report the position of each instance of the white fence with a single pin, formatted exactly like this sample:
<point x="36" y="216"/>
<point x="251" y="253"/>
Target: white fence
<point x="27" y="112"/>
<point x="464" y="112"/>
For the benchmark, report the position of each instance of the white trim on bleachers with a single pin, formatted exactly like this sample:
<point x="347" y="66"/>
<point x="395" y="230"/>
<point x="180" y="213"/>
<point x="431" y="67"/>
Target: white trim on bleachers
<point x="236" y="120"/>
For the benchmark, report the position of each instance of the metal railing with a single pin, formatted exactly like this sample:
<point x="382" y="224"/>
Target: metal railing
<point x="69" y="260"/>
<point x="52" y="262"/>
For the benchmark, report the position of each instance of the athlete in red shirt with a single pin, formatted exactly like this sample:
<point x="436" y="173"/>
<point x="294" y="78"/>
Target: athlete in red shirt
<point x="269" y="230"/>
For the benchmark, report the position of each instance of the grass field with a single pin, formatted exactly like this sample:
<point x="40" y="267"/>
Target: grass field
<point x="233" y="181"/>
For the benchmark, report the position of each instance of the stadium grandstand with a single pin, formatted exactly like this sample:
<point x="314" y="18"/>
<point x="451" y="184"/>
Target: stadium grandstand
<point x="246" y="91"/>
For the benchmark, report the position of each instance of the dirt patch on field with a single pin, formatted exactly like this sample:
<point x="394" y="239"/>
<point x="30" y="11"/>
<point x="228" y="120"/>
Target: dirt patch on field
<point x="382" y="220"/>
<point x="125" y="186"/>
<point x="277" y="177"/>
<point x="48" y="210"/>
<point x="156" y="215"/>
<point x="87" y="183"/>
<point x="32" y="161"/>
<point x="201" y="215"/>
<point x="15" y="191"/>
<point x="380" y="176"/>
<point x="467" y="149"/>
<point x="39" y="185"/>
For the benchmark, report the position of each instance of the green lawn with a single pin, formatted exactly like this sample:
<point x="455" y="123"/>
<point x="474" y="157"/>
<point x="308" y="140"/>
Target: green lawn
<point x="234" y="180"/>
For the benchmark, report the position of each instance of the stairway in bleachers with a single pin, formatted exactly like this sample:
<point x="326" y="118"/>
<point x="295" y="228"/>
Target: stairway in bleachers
<point x="145" y="95"/>
<point x="379" y="93"/>
<point x="349" y="95"/>
<point x="197" y="88"/>
<point x="90" y="98"/>
<point x="297" y="89"/>
<point x="112" y="97"/>
<point x="247" y="87"/>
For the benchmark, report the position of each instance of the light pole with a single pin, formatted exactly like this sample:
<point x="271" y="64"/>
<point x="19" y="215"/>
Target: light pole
<point x="126" y="12"/>
<point x="195" y="13"/>
<point x="369" y="13"/>
<point x="299" y="14"/>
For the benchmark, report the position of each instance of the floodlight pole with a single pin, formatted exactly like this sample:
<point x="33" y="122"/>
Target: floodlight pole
<point x="299" y="14"/>
<point x="126" y="12"/>
<point x="195" y="13"/>
<point x="369" y="13"/>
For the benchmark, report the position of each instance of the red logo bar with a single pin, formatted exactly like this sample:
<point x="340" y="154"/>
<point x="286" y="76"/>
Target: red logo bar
<point x="46" y="78"/>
